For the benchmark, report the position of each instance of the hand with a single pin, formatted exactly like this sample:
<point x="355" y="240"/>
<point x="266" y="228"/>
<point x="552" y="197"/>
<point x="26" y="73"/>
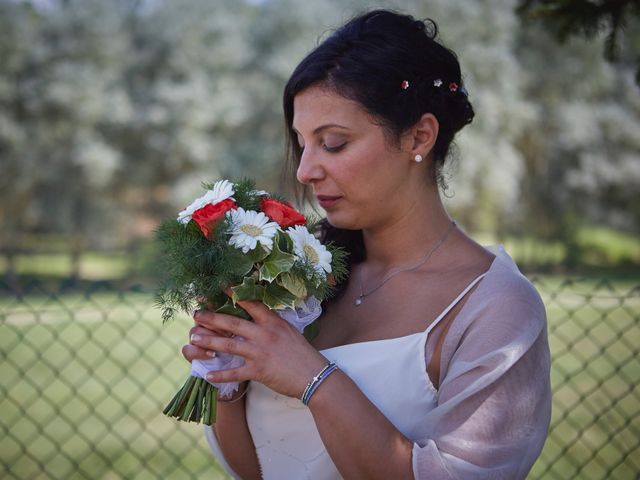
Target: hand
<point x="193" y="352"/>
<point x="275" y="353"/>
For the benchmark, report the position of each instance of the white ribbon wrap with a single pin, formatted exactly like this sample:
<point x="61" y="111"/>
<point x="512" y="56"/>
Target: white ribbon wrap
<point x="298" y="318"/>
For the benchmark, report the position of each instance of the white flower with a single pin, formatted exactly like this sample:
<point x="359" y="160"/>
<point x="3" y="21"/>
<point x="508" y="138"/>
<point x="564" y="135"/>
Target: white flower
<point x="221" y="190"/>
<point x="308" y="248"/>
<point x="249" y="228"/>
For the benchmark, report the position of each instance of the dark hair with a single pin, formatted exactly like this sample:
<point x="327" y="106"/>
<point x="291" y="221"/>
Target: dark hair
<point x="367" y="60"/>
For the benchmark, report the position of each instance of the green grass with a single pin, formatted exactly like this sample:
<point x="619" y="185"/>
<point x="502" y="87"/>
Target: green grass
<point x="82" y="387"/>
<point x="84" y="378"/>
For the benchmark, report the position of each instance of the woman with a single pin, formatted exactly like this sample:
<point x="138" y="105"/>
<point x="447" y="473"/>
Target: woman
<point x="440" y="344"/>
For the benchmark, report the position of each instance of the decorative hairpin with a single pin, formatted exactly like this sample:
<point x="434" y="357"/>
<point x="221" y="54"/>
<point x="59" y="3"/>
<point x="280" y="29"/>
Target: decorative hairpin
<point x="453" y="86"/>
<point x="404" y="85"/>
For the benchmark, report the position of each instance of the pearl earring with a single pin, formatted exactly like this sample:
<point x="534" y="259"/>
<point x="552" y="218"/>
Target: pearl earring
<point x="418" y="158"/>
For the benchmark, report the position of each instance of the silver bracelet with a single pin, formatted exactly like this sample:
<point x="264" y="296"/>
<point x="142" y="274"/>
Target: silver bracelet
<point x="315" y="382"/>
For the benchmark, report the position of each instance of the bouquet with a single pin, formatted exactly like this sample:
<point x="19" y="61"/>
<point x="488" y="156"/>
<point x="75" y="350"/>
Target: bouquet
<point x="263" y="249"/>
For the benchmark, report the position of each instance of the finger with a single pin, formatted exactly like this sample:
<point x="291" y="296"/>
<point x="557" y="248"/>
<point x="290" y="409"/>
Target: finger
<point x="238" y="374"/>
<point x="198" y="330"/>
<point x="222" y="322"/>
<point x="235" y="345"/>
<point x="193" y="352"/>
<point x="256" y="310"/>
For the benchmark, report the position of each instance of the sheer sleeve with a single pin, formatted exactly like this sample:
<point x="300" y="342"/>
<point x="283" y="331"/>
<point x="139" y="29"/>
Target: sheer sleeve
<point x="494" y="402"/>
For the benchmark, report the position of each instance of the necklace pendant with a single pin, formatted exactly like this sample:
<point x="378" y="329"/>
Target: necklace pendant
<point x="357" y="301"/>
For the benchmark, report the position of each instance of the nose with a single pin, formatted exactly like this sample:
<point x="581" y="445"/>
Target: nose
<point x="310" y="168"/>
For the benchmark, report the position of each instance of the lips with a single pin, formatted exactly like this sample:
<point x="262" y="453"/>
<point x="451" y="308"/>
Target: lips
<point x="327" y="201"/>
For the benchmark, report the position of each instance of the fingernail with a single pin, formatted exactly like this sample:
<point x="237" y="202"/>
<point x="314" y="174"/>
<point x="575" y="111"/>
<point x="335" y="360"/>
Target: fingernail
<point x="211" y="353"/>
<point x="195" y="313"/>
<point x="195" y="338"/>
<point x="211" y="376"/>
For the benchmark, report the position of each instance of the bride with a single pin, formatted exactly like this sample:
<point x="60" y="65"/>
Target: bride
<point x="432" y="361"/>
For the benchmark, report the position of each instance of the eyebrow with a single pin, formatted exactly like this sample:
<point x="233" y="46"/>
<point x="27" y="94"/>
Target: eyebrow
<point x="323" y="127"/>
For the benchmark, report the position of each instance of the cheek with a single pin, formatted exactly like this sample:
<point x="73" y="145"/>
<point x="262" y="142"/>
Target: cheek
<point x="381" y="173"/>
<point x="367" y="165"/>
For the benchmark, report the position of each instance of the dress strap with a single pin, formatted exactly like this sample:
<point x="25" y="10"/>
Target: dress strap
<point x="455" y="302"/>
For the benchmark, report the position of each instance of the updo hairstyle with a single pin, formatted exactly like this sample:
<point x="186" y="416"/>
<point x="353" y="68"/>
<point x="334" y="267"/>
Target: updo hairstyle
<point x="367" y="60"/>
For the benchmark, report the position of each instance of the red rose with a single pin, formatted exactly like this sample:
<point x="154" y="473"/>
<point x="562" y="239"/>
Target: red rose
<point x="281" y="213"/>
<point x="210" y="215"/>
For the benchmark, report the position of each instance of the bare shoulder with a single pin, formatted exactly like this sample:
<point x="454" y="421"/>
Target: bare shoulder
<point x="503" y="286"/>
<point x="506" y="296"/>
<point x="467" y="257"/>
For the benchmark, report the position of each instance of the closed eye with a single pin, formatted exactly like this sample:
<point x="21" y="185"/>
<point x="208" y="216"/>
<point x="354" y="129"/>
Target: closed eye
<point x="334" y="149"/>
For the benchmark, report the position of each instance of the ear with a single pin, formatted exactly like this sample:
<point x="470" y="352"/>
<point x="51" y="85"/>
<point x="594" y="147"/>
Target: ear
<point x="421" y="138"/>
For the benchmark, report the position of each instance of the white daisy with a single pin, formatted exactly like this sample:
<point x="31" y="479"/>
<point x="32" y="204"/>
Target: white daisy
<point x="249" y="228"/>
<point x="221" y="190"/>
<point x="309" y="249"/>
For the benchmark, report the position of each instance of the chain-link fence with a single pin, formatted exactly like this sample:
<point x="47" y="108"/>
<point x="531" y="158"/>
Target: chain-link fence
<point x="86" y="371"/>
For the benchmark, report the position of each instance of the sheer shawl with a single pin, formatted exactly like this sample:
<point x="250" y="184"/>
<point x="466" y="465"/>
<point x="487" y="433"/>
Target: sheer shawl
<point x="494" y="399"/>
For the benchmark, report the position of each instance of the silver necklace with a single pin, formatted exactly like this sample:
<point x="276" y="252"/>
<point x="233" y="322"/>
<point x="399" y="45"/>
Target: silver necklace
<point x="358" y="300"/>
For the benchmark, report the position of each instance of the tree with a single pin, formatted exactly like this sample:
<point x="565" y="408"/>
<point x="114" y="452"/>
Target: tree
<point x="588" y="18"/>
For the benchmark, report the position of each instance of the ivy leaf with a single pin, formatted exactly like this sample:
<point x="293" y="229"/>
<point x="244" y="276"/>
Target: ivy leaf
<point x="230" y="309"/>
<point x="247" y="290"/>
<point x="278" y="298"/>
<point x="293" y="284"/>
<point x="258" y="254"/>
<point x="276" y="263"/>
<point x="241" y="263"/>
<point x="284" y="242"/>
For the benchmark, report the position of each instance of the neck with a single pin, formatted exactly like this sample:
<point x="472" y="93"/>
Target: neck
<point x="409" y="235"/>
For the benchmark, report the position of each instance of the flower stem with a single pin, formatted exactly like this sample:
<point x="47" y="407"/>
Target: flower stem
<point x="206" y="415"/>
<point x="192" y="399"/>
<point x="213" y="404"/>
<point x="179" y="398"/>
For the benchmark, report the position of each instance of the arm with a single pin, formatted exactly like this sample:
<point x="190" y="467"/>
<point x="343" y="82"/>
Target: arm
<point x="230" y="430"/>
<point x="480" y="429"/>
<point x="234" y="437"/>
<point x="278" y="356"/>
<point x="361" y="441"/>
<point x="493" y="405"/>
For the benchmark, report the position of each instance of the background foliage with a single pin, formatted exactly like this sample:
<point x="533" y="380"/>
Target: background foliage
<point x="113" y="112"/>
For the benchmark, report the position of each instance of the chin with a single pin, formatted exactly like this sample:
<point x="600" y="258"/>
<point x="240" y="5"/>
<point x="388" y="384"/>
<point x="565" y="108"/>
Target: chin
<point x="342" y="221"/>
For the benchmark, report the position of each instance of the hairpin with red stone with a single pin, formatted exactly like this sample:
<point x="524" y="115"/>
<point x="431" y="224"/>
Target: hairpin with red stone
<point x="453" y="86"/>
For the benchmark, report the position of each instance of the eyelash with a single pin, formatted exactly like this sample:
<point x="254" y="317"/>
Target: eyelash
<point x="334" y="149"/>
<point x="329" y="149"/>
